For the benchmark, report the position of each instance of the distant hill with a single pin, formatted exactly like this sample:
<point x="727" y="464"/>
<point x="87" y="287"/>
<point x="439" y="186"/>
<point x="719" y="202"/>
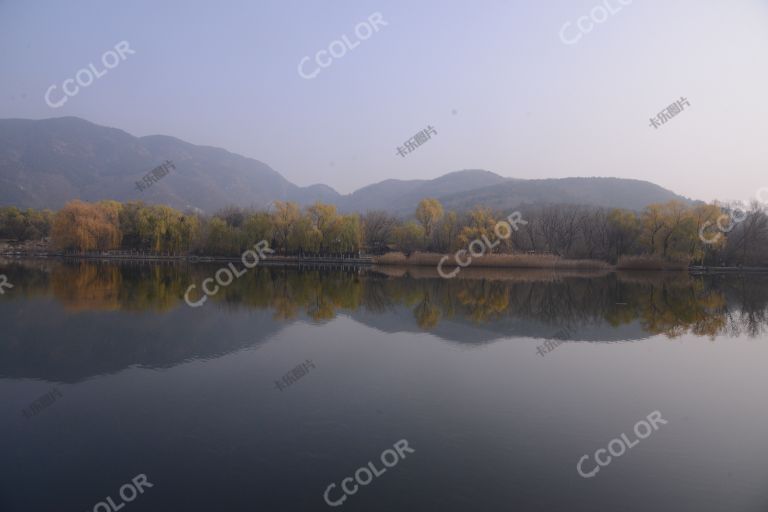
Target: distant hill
<point x="402" y="196"/>
<point x="45" y="163"/>
<point x="606" y="192"/>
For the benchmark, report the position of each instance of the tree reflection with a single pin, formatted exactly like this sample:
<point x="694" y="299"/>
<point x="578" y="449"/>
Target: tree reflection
<point x="668" y="304"/>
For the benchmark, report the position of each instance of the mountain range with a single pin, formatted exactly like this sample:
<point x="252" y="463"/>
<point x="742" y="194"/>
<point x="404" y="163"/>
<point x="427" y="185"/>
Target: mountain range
<point x="45" y="163"/>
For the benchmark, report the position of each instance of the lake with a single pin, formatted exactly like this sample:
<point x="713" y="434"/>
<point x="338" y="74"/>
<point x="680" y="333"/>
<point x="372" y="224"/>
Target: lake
<point x="497" y="390"/>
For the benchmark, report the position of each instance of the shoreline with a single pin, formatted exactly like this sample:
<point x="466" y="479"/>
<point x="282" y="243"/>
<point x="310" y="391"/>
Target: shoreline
<point x="374" y="261"/>
<point x="186" y="258"/>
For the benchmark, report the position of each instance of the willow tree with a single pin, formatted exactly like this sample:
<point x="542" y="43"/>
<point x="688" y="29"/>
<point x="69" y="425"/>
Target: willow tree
<point x="284" y="221"/>
<point x="323" y="218"/>
<point x="480" y="223"/>
<point x="409" y="237"/>
<point x="86" y="227"/>
<point x="428" y="213"/>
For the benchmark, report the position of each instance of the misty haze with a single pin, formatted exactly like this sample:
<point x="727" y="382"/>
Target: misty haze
<point x="370" y="256"/>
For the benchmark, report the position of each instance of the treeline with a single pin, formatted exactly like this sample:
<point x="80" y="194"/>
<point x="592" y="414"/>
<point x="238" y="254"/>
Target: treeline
<point x="700" y="233"/>
<point x="24" y="225"/>
<point x="110" y="225"/>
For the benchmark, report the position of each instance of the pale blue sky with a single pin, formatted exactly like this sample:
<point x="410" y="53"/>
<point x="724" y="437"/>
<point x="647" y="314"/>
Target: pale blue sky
<point x="528" y="106"/>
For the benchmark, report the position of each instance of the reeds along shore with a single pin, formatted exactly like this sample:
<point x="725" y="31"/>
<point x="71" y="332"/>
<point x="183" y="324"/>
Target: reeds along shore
<point x="547" y="261"/>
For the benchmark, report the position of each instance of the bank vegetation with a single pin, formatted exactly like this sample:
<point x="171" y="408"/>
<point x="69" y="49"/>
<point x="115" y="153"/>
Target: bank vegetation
<point x="672" y="235"/>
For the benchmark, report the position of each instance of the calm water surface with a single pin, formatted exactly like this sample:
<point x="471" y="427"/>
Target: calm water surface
<point x="500" y="382"/>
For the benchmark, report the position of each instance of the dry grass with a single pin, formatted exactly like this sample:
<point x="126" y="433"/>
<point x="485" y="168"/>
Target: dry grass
<point x="654" y="278"/>
<point x="547" y="261"/>
<point x="649" y="263"/>
<point x="390" y="258"/>
<point x="503" y="273"/>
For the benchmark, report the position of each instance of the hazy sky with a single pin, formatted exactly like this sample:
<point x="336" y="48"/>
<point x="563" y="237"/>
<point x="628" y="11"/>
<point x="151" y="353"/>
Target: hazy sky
<point x="494" y="79"/>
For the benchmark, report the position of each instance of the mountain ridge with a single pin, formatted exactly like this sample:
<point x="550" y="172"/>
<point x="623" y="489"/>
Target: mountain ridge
<point x="45" y="163"/>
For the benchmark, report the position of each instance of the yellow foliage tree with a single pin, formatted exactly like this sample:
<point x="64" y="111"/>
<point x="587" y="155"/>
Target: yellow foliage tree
<point x="428" y="212"/>
<point x="82" y="226"/>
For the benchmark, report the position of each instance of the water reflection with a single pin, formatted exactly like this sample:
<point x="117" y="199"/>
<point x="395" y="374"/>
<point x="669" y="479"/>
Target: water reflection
<point x="66" y="320"/>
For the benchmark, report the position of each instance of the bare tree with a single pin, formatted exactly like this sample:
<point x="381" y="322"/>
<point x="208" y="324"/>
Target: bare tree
<point x="378" y="229"/>
<point x="748" y="240"/>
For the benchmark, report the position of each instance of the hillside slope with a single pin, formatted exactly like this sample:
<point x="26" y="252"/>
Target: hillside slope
<point x="45" y="163"/>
